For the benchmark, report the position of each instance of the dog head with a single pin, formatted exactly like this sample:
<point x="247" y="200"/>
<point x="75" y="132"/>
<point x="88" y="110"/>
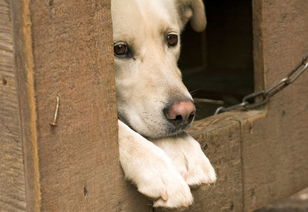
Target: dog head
<point x="151" y="96"/>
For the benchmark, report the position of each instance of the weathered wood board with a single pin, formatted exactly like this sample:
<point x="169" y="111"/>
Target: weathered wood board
<point x="276" y="151"/>
<point x="12" y="183"/>
<point x="63" y="49"/>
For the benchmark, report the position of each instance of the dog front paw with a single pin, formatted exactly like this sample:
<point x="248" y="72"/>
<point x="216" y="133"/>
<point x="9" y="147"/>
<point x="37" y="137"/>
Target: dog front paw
<point x="168" y="189"/>
<point x="188" y="158"/>
<point x="154" y="174"/>
<point x="199" y="170"/>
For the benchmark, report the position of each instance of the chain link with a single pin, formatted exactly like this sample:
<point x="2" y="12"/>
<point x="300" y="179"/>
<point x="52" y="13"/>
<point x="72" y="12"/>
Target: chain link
<point x="260" y="98"/>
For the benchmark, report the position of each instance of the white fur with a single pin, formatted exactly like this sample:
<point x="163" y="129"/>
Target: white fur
<point x="145" y="84"/>
<point x="151" y="170"/>
<point x="188" y="158"/>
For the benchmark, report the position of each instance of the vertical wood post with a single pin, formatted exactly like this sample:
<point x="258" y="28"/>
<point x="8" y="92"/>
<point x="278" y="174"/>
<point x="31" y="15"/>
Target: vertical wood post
<point x="64" y="49"/>
<point x="275" y="148"/>
<point x="12" y="182"/>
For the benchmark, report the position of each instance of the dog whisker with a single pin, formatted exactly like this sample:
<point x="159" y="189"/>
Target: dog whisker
<point x="194" y="91"/>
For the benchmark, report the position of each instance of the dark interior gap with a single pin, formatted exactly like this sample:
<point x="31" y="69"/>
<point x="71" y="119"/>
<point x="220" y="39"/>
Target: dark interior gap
<point x="218" y="63"/>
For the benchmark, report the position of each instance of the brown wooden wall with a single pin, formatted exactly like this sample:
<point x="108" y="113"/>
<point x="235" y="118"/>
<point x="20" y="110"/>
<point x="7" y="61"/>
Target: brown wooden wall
<point x="60" y="48"/>
<point x="12" y="182"/>
<point x="275" y="152"/>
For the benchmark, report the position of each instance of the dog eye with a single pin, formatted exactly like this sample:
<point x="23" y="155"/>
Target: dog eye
<point x="121" y="50"/>
<point x="172" y="39"/>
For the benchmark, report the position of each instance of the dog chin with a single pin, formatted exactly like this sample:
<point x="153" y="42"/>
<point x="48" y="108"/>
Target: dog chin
<point x="176" y="131"/>
<point x="169" y="131"/>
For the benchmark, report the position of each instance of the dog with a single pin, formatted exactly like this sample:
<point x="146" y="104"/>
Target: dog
<point x="154" y="106"/>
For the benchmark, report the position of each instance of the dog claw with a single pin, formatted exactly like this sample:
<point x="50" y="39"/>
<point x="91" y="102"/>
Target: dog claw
<point x="164" y="195"/>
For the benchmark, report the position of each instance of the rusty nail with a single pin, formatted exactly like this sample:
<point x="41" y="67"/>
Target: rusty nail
<point x="55" y="117"/>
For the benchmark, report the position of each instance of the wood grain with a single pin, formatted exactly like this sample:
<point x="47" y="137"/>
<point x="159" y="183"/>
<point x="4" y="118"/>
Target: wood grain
<point x="275" y="149"/>
<point x="12" y="184"/>
<point x="65" y="49"/>
<point x="221" y="143"/>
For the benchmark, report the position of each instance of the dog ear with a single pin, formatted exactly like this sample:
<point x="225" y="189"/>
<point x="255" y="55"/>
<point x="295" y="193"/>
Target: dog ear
<point x="194" y="11"/>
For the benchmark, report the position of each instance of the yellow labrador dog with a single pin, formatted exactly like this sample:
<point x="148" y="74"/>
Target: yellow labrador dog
<point x="154" y="106"/>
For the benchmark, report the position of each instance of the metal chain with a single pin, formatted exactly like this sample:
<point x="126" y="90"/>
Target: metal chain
<point x="260" y="98"/>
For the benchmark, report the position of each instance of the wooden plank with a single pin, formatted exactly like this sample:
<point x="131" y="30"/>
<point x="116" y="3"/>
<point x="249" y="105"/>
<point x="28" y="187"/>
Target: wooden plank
<point x="65" y="49"/>
<point x="12" y="184"/>
<point x="23" y="65"/>
<point x="276" y="150"/>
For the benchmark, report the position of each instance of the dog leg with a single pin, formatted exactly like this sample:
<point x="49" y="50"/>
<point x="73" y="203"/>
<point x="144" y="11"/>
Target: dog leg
<point x="188" y="158"/>
<point x="151" y="170"/>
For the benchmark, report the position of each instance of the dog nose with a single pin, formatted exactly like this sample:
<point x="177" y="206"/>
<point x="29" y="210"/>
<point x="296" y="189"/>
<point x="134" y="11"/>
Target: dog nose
<point x="180" y="113"/>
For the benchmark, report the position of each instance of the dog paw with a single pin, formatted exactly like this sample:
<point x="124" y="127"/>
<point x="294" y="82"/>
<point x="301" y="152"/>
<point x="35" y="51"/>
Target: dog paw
<point x="199" y="170"/>
<point x="189" y="159"/>
<point x="168" y="189"/>
<point x="152" y="171"/>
